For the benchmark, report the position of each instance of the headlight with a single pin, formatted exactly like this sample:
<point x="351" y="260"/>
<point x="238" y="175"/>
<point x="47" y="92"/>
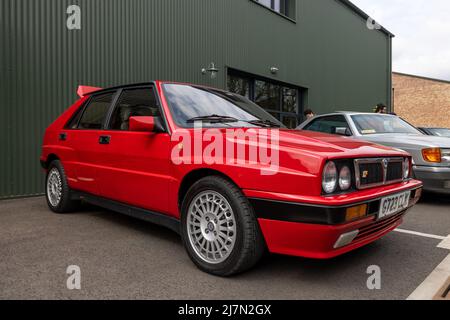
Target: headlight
<point x="345" y="178"/>
<point x="432" y="155"/>
<point x="445" y="155"/>
<point x="406" y="168"/>
<point x="329" y="177"/>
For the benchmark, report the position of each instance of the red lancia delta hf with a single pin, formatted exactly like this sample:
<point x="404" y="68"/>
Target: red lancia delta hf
<point x="224" y="174"/>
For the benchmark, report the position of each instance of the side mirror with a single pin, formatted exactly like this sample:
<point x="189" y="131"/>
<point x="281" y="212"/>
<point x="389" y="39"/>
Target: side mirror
<point x="344" y="132"/>
<point x="142" y="124"/>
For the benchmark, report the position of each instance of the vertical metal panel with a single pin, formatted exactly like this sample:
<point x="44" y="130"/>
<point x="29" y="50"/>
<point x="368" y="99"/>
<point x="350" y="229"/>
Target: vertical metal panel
<point x="329" y="50"/>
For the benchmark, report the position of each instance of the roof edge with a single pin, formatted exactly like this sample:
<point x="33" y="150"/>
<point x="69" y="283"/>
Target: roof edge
<point x="421" y="77"/>
<point x="362" y="14"/>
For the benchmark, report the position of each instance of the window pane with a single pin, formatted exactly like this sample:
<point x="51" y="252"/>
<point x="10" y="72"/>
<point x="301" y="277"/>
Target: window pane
<point x="73" y="123"/>
<point x="280" y="6"/>
<point x="290" y="100"/>
<point x="267" y="95"/>
<point x="267" y="3"/>
<point x="190" y="102"/>
<point x="239" y="86"/>
<point x="375" y="123"/>
<point x="133" y="103"/>
<point x="96" y="111"/>
<point x="276" y="5"/>
<point x="328" y="124"/>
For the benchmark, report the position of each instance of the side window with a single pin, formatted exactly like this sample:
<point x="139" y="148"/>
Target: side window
<point x="134" y="103"/>
<point x="328" y="124"/>
<point x="73" y="122"/>
<point x="96" y="111"/>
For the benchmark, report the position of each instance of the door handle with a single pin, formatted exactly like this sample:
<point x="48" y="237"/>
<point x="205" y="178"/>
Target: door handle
<point x="104" y="139"/>
<point x="62" y="136"/>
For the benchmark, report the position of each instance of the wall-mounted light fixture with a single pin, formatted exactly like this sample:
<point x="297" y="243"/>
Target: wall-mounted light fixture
<point x="211" y="69"/>
<point x="274" y="70"/>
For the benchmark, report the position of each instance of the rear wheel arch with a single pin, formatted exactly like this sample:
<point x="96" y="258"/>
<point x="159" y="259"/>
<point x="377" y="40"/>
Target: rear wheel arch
<point x="50" y="158"/>
<point x="57" y="190"/>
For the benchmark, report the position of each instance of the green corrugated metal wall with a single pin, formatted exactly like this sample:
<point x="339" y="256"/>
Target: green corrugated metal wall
<point x="328" y="49"/>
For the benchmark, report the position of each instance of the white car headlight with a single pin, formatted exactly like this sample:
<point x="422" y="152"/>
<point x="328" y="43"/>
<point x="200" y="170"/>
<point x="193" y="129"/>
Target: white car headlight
<point x="345" y="178"/>
<point x="329" y="177"/>
<point x="406" y="168"/>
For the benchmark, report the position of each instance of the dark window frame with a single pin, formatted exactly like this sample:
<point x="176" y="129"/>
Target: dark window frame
<point x="251" y="78"/>
<point x="287" y="9"/>
<point x="117" y="91"/>
<point x="76" y="116"/>
<point x="324" y="118"/>
<point x="81" y="111"/>
<point x="107" y="126"/>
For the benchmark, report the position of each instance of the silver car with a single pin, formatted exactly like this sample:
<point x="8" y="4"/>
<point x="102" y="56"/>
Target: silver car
<point x="431" y="155"/>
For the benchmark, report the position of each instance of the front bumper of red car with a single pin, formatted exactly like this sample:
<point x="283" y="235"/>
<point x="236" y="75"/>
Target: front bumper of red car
<point x="319" y="230"/>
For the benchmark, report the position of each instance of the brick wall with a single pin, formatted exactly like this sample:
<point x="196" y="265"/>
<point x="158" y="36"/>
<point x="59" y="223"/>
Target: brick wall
<point x="422" y="102"/>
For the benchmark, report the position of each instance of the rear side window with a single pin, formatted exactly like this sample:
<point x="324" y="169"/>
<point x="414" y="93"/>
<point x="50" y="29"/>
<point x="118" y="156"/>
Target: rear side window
<point x="328" y="124"/>
<point x="134" y="103"/>
<point x="73" y="123"/>
<point x="95" y="113"/>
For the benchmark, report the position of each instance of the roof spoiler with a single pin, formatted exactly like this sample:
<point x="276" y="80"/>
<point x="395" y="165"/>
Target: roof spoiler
<point x="85" y="90"/>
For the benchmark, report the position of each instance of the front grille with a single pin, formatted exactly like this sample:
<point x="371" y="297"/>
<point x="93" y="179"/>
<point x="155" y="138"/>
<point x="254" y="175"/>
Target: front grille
<point x="371" y="173"/>
<point x="394" y="171"/>
<point x="377" y="172"/>
<point x="379" y="227"/>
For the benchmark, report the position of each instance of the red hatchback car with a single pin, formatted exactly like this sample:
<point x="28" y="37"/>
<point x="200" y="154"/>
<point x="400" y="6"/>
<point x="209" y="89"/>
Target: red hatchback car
<point x="145" y="150"/>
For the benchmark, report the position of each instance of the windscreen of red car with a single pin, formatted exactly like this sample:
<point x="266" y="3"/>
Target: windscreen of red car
<point x="187" y="103"/>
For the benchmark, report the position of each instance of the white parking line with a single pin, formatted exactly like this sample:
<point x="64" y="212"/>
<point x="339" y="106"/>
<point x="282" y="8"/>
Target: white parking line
<point x="433" y="283"/>
<point x="420" y="234"/>
<point x="445" y="244"/>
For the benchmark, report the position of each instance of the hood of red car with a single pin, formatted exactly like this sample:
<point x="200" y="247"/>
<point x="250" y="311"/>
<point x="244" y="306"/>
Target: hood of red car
<point x="334" y="146"/>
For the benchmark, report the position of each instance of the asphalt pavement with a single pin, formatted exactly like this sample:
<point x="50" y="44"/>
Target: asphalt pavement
<point x="123" y="258"/>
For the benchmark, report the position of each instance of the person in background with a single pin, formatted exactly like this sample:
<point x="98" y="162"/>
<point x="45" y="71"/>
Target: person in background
<point x="381" y="108"/>
<point x="309" y="114"/>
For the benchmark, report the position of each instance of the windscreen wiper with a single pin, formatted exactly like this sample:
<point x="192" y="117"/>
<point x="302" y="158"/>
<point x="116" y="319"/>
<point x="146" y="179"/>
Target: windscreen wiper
<point x="214" y="118"/>
<point x="264" y="123"/>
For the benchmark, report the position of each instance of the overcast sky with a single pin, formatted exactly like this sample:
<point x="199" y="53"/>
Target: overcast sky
<point x="422" y="33"/>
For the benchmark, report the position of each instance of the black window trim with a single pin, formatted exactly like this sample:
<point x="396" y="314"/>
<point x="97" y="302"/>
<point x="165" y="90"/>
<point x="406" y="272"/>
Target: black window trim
<point x="78" y="113"/>
<point x="292" y="19"/>
<point x="117" y="91"/>
<point x="116" y="102"/>
<point x="83" y="108"/>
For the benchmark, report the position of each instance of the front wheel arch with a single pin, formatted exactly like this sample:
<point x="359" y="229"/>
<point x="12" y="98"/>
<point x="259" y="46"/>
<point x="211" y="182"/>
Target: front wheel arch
<point x="192" y="177"/>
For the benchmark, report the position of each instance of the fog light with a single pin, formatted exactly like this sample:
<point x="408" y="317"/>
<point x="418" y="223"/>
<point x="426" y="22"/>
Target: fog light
<point x="355" y="213"/>
<point x="346" y="239"/>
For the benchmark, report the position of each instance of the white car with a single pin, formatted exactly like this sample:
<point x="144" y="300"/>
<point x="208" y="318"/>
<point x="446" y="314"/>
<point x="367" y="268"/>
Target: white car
<point x="431" y="154"/>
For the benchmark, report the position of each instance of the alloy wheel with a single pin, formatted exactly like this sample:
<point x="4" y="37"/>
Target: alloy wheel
<point x="211" y="225"/>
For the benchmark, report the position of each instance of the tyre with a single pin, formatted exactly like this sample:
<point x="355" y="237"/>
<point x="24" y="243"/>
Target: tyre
<point x="57" y="190"/>
<point x="219" y="228"/>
